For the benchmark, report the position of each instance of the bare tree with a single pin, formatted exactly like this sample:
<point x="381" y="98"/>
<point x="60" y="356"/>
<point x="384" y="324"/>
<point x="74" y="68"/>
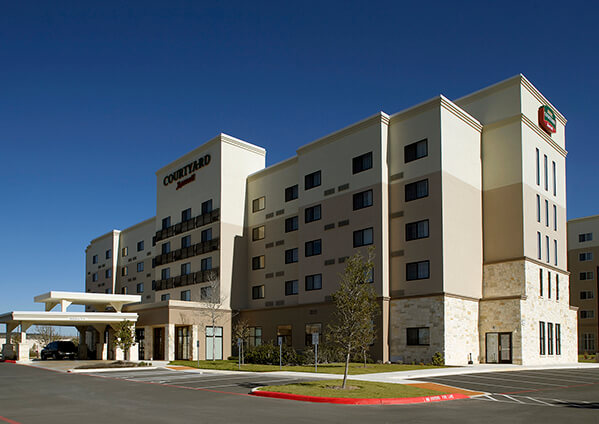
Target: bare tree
<point x="241" y="330"/>
<point x="215" y="303"/>
<point x="355" y="308"/>
<point x="47" y="334"/>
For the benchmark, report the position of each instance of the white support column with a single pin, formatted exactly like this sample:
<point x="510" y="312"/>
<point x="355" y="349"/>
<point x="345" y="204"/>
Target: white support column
<point x="169" y="346"/>
<point x="195" y="337"/>
<point x="8" y="349"/>
<point x="102" y="346"/>
<point x="64" y="304"/>
<point x="22" y="347"/>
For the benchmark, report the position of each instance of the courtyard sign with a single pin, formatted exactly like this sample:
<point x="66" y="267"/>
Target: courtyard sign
<point x="547" y="119"/>
<point x="188" y="169"/>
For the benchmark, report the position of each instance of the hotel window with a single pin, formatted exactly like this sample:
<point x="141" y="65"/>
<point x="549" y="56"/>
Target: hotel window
<point x="291" y="224"/>
<point x="206" y="264"/>
<point x="538" y="208"/>
<point x="363" y="237"/>
<point x="588" y="342"/>
<point x="417" y="230"/>
<point x="206" y="235"/>
<point x="538" y="168"/>
<point x="258" y="204"/>
<point x="362" y="163"/>
<point x="547" y="248"/>
<point x="124" y="271"/>
<point x="258" y="262"/>
<point x="546" y="213"/>
<point x="186" y="215"/>
<point x="255" y="336"/>
<point x="586" y="276"/>
<point x="166" y="247"/>
<point x="165" y="297"/>
<point x="558" y="339"/>
<point x="541" y="338"/>
<point x="125" y="251"/>
<point x="140" y="266"/>
<point x="312" y="180"/>
<point x="291" y="287"/>
<point x="108" y="273"/>
<point x="546" y="173"/>
<point x="313" y="248"/>
<point x="258" y="233"/>
<point x="555" y="252"/>
<point x="312" y="214"/>
<point x="362" y="200"/>
<point x="418" y="336"/>
<point x="95" y="276"/>
<point x="585" y="237"/>
<point x="314" y="328"/>
<point x="417" y="270"/>
<point x="166" y="222"/>
<point x="556" y="286"/>
<point x="313" y="282"/>
<point x="284" y="334"/>
<point x="206" y="293"/>
<point x="291" y="193"/>
<point x="416" y="190"/>
<point x="186" y="268"/>
<point x="207" y="206"/>
<point x="258" y="292"/>
<point x="586" y="295"/>
<point x="139" y="288"/>
<point x="186" y="295"/>
<point x="109" y="254"/>
<point x="587" y="314"/>
<point x="165" y="273"/>
<point x="540" y="282"/>
<point x="140" y="246"/>
<point x="291" y="256"/>
<point x="95" y="259"/>
<point x="555" y="217"/>
<point x="185" y="241"/>
<point x="549" y="338"/>
<point x="549" y="284"/>
<point x="554" y="181"/>
<point x="416" y="150"/>
<point x="123" y="290"/>
<point x="539" y="250"/>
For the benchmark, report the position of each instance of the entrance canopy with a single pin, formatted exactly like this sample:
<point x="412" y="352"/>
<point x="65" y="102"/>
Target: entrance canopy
<point x="99" y="300"/>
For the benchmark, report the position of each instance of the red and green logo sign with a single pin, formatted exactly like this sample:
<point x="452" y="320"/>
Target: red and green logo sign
<point x="547" y="119"/>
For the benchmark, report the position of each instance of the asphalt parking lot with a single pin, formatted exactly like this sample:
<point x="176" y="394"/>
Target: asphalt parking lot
<point x="575" y="388"/>
<point x="202" y="380"/>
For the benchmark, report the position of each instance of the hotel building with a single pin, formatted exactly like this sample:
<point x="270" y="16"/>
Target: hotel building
<point x="464" y="202"/>
<point x="583" y="263"/>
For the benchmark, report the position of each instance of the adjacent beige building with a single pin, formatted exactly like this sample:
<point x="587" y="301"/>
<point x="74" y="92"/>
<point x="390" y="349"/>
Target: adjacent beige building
<point x="463" y="201"/>
<point x="583" y="264"/>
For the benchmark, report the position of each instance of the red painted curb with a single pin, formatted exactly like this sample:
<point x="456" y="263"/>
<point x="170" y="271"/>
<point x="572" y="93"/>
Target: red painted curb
<point x="360" y="401"/>
<point x="9" y="361"/>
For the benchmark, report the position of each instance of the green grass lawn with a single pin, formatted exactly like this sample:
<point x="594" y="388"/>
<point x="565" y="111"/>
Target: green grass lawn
<point x="364" y="389"/>
<point x="589" y="358"/>
<point x="336" y="368"/>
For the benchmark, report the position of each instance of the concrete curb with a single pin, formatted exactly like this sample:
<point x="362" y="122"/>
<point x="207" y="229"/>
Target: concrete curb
<point x="89" y="370"/>
<point x="359" y="401"/>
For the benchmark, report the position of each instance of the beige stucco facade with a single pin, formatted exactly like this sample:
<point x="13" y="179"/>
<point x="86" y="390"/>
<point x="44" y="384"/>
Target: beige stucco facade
<point x="447" y="194"/>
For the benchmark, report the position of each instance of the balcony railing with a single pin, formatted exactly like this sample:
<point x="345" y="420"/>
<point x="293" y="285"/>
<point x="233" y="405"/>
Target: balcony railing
<point x="181" y="227"/>
<point x="186" y="252"/>
<point x="187" y="280"/>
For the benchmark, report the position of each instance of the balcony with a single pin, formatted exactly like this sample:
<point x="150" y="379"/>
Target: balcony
<point x="186" y="280"/>
<point x="182" y="227"/>
<point x="187" y="252"/>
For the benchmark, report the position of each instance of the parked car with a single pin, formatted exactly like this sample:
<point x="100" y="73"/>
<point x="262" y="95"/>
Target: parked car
<point x="59" y="350"/>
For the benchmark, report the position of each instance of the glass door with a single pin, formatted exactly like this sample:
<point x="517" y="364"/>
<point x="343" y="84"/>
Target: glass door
<point x="182" y="345"/>
<point x="505" y="348"/>
<point x="214" y="343"/>
<point x="492" y="343"/>
<point x="159" y="344"/>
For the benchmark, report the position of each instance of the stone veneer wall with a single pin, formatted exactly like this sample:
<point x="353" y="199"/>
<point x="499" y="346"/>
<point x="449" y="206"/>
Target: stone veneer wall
<point x="548" y="309"/>
<point x="461" y="330"/>
<point x="416" y="312"/>
<point x="504" y="279"/>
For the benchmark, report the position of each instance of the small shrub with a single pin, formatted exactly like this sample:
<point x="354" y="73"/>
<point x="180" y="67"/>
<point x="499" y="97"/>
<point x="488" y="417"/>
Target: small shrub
<point x="438" y="359"/>
<point x="268" y="354"/>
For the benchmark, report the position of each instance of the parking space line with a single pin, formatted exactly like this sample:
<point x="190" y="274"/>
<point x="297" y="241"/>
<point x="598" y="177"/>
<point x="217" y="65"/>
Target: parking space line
<point x="511" y="379"/>
<point x="575" y="374"/>
<point x="548" y="378"/>
<point x="514" y="399"/>
<point x="230" y="385"/>
<point x="477" y="383"/>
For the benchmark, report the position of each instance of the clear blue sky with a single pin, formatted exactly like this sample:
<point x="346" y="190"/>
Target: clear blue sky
<point x="96" y="96"/>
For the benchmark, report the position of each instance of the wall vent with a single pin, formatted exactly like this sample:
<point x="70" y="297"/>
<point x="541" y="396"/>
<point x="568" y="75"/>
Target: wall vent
<point x="280" y="302"/>
<point x="329" y="226"/>
<point x="343" y="187"/>
<point x="269" y="245"/>
<point x="269" y="215"/>
<point x="280" y="242"/>
<point x="280" y="273"/>
<point x="269" y="303"/>
<point x="329" y="262"/>
<point x="329" y="191"/>
<point x="280" y="212"/>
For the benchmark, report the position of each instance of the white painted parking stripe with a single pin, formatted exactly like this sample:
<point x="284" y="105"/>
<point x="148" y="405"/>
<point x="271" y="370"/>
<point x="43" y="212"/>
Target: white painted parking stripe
<point x="548" y="378"/>
<point x="477" y="383"/>
<point x="230" y="385"/>
<point x="511" y="379"/>
<point x="514" y="399"/>
<point x="540" y="401"/>
<point x="579" y="378"/>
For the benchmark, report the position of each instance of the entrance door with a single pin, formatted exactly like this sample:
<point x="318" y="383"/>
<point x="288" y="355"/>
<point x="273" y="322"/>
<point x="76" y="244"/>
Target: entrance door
<point x="159" y="344"/>
<point x="182" y="345"/>
<point x="499" y="348"/>
<point x="505" y="348"/>
<point x="218" y="343"/>
<point x="139" y="339"/>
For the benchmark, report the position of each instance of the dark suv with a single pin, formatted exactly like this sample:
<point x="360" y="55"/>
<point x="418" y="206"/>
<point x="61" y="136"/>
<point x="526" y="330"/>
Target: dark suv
<point x="59" y="350"/>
